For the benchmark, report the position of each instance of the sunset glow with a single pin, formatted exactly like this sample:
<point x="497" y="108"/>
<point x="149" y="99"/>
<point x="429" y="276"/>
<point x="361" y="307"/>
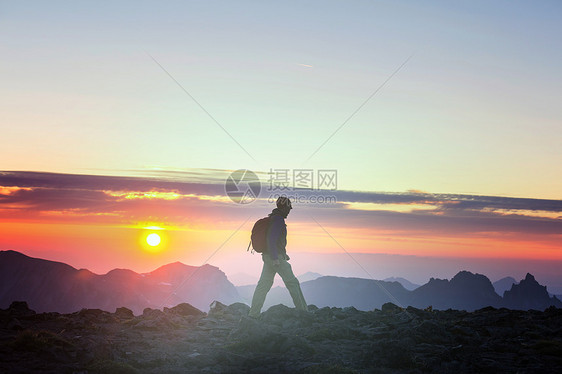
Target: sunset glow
<point x="441" y="122"/>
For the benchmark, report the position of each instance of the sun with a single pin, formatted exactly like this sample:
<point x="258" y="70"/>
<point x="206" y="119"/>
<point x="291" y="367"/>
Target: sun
<point x="153" y="239"/>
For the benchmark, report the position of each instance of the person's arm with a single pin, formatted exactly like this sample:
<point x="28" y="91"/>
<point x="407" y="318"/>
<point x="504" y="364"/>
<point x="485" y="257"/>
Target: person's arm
<point x="273" y="236"/>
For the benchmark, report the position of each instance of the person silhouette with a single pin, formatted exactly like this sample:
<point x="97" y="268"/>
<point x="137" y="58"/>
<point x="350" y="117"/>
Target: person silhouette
<point x="275" y="261"/>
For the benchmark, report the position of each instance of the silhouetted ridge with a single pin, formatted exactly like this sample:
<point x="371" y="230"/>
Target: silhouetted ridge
<point x="364" y="294"/>
<point x="465" y="291"/>
<point x="53" y="286"/>
<point x="529" y="294"/>
<point x="121" y="274"/>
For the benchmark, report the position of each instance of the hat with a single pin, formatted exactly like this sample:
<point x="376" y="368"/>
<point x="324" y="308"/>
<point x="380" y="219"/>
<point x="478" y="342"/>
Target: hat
<point x="284" y="201"/>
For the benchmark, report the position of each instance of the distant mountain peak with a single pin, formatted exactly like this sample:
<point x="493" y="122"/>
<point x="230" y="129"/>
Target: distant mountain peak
<point x="116" y="270"/>
<point x="308" y="276"/>
<point x="12" y="252"/>
<point x="504" y="284"/>
<point x="465" y="290"/>
<point x="531" y="282"/>
<point x="529" y="294"/>
<point x="465" y="274"/>
<point x="171" y="267"/>
<point x="176" y="264"/>
<point x="404" y="282"/>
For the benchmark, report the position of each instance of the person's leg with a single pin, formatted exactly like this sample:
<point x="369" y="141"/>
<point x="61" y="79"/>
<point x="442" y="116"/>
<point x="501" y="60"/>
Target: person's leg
<point x="292" y="283"/>
<point x="263" y="287"/>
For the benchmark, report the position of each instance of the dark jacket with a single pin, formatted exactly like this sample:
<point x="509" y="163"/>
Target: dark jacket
<point x="277" y="235"/>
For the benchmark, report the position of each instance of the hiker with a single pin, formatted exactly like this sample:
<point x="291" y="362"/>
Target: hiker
<point x="275" y="261"/>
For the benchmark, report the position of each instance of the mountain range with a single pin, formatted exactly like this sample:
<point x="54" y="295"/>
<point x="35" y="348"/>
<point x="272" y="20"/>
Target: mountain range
<point x="465" y="291"/>
<point x="53" y="286"/>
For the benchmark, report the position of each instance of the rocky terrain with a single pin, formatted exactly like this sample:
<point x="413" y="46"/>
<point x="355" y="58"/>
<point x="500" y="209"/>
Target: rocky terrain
<point x="183" y="339"/>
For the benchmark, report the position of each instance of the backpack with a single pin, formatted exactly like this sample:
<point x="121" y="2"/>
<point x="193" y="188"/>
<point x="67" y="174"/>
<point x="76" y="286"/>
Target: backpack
<point x="258" y="240"/>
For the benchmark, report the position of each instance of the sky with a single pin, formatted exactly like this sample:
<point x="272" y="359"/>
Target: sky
<point x="440" y="119"/>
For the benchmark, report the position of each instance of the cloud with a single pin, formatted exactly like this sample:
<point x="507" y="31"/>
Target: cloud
<point x="452" y="201"/>
<point x="116" y="200"/>
<point x="102" y="182"/>
<point x="125" y="200"/>
<point x="433" y="224"/>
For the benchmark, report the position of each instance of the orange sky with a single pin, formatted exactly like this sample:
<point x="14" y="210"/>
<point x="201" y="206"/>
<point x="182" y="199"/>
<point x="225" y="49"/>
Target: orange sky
<point x="101" y="223"/>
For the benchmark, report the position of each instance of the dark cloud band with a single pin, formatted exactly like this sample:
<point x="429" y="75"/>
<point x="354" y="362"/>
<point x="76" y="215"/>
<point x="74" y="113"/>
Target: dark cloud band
<point x="446" y="213"/>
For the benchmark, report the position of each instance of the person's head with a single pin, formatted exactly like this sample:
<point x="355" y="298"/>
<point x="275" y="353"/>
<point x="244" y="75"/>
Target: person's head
<point x="284" y="205"/>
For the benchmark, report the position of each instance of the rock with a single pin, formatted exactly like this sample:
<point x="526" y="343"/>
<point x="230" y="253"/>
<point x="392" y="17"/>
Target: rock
<point x="238" y="309"/>
<point x="124" y="313"/>
<point x="312" y="308"/>
<point x="350" y="309"/>
<point x="91" y="313"/>
<point x="217" y="308"/>
<point x="231" y="312"/>
<point x="151" y="313"/>
<point x="95" y="315"/>
<point x="184" y="309"/>
<point x="390" y="308"/>
<point x="20" y="309"/>
<point x="279" y="311"/>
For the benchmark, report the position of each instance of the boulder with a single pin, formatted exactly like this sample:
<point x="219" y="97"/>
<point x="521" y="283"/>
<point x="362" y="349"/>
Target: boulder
<point x="238" y="309"/>
<point x="151" y="313"/>
<point x="390" y="308"/>
<point x="124" y="313"/>
<point x="217" y="309"/>
<point x="20" y="309"/>
<point x="184" y="309"/>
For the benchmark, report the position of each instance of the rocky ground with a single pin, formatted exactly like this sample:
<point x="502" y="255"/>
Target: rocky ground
<point x="327" y="340"/>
